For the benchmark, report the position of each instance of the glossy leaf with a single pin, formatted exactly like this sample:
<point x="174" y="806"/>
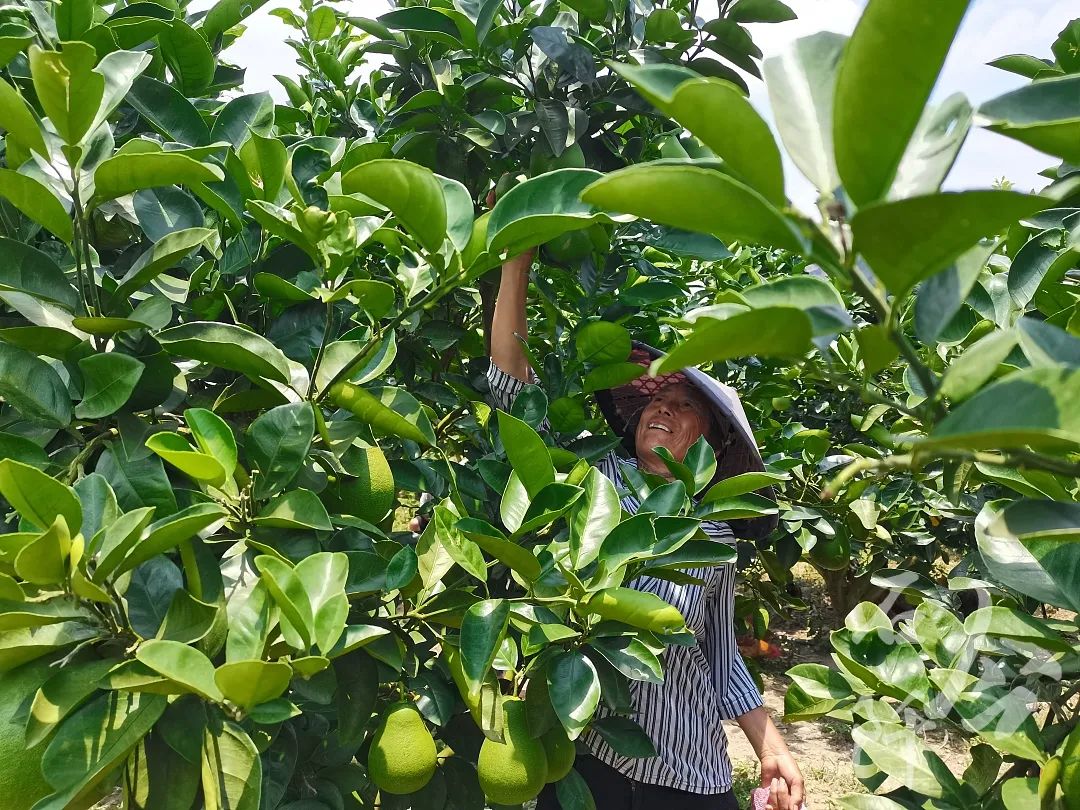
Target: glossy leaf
<point x="108" y="382"/>
<point x="226" y="346"/>
<point x="912" y="239"/>
<point x="657" y="192"/>
<point x="414" y="195"/>
<point x="249" y="683"/>
<point x="767" y="332"/>
<point x="482" y="630"/>
<point x="575" y="691"/>
<point x="36" y="201"/>
<point x="540" y="209"/>
<point x="278" y="442"/>
<point x="28" y="270"/>
<point x="882" y="87"/>
<point x="1044" y="115"/>
<point x="39" y="498"/>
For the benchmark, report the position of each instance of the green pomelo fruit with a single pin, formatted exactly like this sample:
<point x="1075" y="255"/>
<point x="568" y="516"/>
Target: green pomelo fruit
<point x="832" y="555"/>
<point x="402" y="755"/>
<point x="367" y="495"/>
<point x="560" y="751"/>
<point x="515" y="771"/>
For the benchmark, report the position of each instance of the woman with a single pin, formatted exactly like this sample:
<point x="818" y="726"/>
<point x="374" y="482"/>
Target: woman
<point x="705" y="684"/>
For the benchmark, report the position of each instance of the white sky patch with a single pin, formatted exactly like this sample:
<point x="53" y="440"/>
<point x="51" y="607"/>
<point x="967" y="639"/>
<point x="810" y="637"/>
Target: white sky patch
<point x="992" y="28"/>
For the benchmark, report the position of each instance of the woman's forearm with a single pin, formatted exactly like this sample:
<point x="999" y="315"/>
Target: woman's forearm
<point x="508" y="325"/>
<point x="761" y="732"/>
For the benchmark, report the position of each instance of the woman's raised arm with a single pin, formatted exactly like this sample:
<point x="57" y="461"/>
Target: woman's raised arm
<point x="508" y="326"/>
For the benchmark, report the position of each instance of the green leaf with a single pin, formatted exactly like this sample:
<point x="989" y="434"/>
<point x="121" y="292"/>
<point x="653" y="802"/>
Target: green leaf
<point x="225" y="14"/>
<point x="412" y="193"/>
<point x="595" y="515"/>
<point x="482" y="631"/>
<point x="114" y="541"/>
<point x="168" y="111"/>
<point x="32" y="387"/>
<point x="760" y="11"/>
<point x="768" y="332"/>
<point x="226" y="346"/>
<point x="165" y="254"/>
<point x="939" y="633"/>
<point x="175" y="449"/>
<point x="61" y="695"/>
<point x="1029" y="407"/>
<point x="277" y="444"/>
<point x="816" y="297"/>
<point x="1031" y="546"/>
<point x="1045" y="115"/>
<point x="43" y="561"/>
<point x="188" y="56"/>
<point x="321" y="23"/>
<point x="18" y="119"/>
<point x="541" y="208"/>
<point x="657" y="192"/>
<point x="882" y="88"/>
<point x="909" y="240"/>
<point x="897" y="751"/>
<point x="574" y="688"/>
<point x="460" y="549"/>
<point x="323" y="576"/>
<point x="741" y="485"/>
<point x="1040" y="262"/>
<point x="38" y="202"/>
<point x="108" y="382"/>
<point x="933" y="148"/>
<point x="801" y="82"/>
<point x="242" y="116"/>
<point x="391" y="411"/>
<point x="295" y="509"/>
<point x="39" y="498"/>
<point x="183" y="664"/>
<point x="815" y="690"/>
<point x="93" y="741"/>
<point x="527" y="453"/>
<point x="942" y="295"/>
<point x="495" y="543"/>
<point x="289" y="595"/>
<point x="214" y="436"/>
<point x="602" y="342"/>
<point x="69" y="90"/>
<point x="131" y="171"/>
<point x="168" y="532"/>
<point x="231" y="769"/>
<point x="28" y="270"/>
<point x="249" y="683"/>
<point x="188" y="619"/>
<point x="631" y="657"/>
<point x="1005" y="622"/>
<point x="424" y="23"/>
<point x="548" y="506"/>
<point x="721" y="116"/>
<point x="611" y="375"/>
<point x="979" y="362"/>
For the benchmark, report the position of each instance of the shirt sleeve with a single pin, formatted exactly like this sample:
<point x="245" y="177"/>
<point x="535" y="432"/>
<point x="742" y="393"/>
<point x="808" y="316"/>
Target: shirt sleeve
<point x="736" y="691"/>
<point x="504" y="387"/>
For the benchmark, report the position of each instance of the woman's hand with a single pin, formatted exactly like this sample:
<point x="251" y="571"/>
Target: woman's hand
<point x="780" y="774"/>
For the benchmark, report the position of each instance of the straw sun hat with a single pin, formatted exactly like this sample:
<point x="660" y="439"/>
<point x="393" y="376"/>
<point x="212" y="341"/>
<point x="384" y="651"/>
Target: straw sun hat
<point x="737" y="453"/>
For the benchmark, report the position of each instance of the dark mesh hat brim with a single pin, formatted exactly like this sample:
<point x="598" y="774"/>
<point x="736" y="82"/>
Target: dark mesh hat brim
<point x="737" y="454"/>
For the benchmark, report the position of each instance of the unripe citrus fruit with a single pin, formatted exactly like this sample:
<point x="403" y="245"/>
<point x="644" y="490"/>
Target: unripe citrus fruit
<point x="367" y="495"/>
<point x="1070" y="770"/>
<point x="636" y="608"/>
<point x="514" y="771"/>
<point x="402" y="755"/>
<point x="560" y="751"/>
<point x="833" y="554"/>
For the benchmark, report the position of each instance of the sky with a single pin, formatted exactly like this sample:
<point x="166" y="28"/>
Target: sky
<point x="991" y="29"/>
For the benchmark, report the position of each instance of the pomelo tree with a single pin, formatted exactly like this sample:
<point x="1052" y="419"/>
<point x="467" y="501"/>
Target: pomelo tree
<point x="229" y="323"/>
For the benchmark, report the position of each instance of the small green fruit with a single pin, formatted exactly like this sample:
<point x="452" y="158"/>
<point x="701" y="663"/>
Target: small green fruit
<point x="515" y="771"/>
<point x="560" y="751"/>
<point x="402" y="755"/>
<point x="834" y="554"/>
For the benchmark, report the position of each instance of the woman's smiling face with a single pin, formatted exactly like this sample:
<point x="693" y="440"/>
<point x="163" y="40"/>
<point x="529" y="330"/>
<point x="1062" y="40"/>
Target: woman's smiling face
<point x="675" y="418"/>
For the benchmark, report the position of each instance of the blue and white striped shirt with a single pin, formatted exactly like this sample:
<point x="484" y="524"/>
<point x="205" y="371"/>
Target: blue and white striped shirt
<point x="703" y="685"/>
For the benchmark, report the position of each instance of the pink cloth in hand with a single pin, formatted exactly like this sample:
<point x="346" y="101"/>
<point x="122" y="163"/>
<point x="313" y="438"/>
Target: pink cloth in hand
<point x="759" y="798"/>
